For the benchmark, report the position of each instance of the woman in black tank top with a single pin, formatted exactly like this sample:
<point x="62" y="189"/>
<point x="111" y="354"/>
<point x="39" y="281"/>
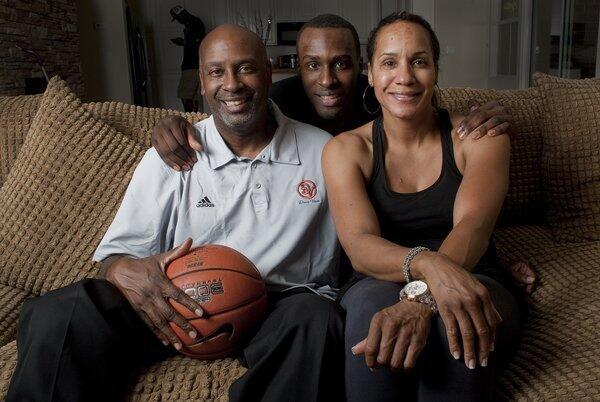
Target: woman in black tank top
<point x="409" y="203"/>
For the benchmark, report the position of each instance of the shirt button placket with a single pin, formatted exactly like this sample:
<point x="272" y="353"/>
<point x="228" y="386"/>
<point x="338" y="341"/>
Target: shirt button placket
<point x="259" y="198"/>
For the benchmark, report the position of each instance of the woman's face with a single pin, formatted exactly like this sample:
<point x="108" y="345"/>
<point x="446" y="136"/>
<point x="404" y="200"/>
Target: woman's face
<point x="402" y="69"/>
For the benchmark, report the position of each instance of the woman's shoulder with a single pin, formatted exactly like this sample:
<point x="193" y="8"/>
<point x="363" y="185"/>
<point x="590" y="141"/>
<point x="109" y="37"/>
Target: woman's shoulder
<point x="353" y="146"/>
<point x="356" y="140"/>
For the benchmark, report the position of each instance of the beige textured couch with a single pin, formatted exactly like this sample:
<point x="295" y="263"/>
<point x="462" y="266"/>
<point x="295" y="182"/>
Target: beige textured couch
<point x="64" y="167"/>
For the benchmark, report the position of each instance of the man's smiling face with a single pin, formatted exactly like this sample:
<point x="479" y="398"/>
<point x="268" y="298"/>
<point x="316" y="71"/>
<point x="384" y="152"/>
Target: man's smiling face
<point x="235" y="76"/>
<point x="329" y="68"/>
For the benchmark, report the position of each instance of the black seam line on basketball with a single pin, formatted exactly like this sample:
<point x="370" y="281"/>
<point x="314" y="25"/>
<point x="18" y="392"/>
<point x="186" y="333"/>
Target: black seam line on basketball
<point x="244" y="303"/>
<point x="217" y="269"/>
<point x="221" y="330"/>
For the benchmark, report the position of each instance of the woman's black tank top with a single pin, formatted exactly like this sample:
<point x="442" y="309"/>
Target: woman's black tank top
<point x="423" y="218"/>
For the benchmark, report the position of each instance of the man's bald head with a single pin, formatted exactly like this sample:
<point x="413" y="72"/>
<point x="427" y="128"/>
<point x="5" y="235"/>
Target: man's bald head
<point x="235" y="74"/>
<point x="229" y="34"/>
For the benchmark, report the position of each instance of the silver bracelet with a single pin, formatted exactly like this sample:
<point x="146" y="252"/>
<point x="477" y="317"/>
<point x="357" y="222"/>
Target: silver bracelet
<point x="408" y="259"/>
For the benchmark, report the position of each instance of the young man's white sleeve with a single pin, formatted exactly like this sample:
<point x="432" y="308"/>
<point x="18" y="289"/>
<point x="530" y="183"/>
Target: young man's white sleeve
<point x="144" y="223"/>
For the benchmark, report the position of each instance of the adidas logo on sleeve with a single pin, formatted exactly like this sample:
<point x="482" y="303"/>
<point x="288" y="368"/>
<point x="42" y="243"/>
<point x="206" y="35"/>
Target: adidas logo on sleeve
<point x="205" y="203"/>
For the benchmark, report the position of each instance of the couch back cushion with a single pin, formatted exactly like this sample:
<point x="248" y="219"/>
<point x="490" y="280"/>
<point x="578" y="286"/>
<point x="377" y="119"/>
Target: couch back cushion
<point x="61" y="193"/>
<point x="16" y="114"/>
<point x="524" y="202"/>
<point x="135" y="121"/>
<point x="571" y="157"/>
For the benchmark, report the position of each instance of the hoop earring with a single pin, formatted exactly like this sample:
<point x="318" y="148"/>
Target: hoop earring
<point x="365" y="103"/>
<point x="435" y="100"/>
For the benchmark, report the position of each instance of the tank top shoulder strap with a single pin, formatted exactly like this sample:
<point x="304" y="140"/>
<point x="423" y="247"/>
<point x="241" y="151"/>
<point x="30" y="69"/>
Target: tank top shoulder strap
<point x="378" y="139"/>
<point x="449" y="163"/>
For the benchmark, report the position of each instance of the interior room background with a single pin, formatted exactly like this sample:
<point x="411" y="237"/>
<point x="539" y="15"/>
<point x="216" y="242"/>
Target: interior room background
<point x="122" y="50"/>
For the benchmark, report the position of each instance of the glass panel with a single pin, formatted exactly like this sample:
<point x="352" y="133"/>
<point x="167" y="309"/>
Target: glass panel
<point x="504" y="50"/>
<point x="507" y="48"/>
<point x="510" y="9"/>
<point x="566" y="37"/>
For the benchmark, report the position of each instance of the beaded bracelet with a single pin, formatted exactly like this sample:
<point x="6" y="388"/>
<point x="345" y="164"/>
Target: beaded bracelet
<point x="408" y="259"/>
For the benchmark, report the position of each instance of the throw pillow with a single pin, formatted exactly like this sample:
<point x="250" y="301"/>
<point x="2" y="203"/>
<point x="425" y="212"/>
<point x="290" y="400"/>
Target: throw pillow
<point x="61" y="194"/>
<point x="571" y="156"/>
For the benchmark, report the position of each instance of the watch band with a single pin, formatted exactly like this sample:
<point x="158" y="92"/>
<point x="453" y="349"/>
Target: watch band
<point x="426" y="299"/>
<point x="412" y="253"/>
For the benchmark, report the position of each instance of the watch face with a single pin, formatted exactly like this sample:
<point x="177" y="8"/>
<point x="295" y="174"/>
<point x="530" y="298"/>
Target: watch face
<point x="415" y="288"/>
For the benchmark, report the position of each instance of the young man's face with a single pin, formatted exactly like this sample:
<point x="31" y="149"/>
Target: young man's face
<point x="329" y="68"/>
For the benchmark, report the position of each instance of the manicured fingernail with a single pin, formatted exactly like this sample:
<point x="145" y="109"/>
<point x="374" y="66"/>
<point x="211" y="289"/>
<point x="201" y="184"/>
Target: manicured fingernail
<point x="194" y="159"/>
<point x="192" y="334"/>
<point x="198" y="312"/>
<point x="461" y="131"/>
<point x="371" y="369"/>
<point x="456" y="355"/>
<point x="164" y="342"/>
<point x="530" y="279"/>
<point x="472" y="364"/>
<point x="353" y="350"/>
<point x="476" y="134"/>
<point x="484" y="362"/>
<point x="186" y="167"/>
<point x="176" y="167"/>
<point x="177" y="345"/>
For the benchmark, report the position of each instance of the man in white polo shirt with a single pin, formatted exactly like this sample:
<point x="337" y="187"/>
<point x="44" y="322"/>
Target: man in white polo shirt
<point x="259" y="190"/>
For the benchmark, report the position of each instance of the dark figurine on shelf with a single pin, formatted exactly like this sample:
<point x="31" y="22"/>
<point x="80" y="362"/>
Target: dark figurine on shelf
<point x="193" y="33"/>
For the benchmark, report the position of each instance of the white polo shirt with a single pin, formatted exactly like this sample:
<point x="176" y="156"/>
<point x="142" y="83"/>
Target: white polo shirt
<point x="273" y="208"/>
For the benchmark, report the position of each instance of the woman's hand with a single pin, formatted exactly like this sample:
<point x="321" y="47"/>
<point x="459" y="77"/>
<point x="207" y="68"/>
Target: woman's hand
<point x="175" y="141"/>
<point x="396" y="336"/>
<point x="146" y="287"/>
<point x="524" y="276"/>
<point x="465" y="307"/>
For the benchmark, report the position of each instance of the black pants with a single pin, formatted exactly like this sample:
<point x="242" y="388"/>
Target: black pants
<point x="437" y="376"/>
<point x="84" y="342"/>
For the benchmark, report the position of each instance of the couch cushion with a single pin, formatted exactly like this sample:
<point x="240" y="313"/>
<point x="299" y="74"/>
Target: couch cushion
<point x="61" y="194"/>
<point x="16" y="113"/>
<point x="135" y="121"/>
<point x="524" y="201"/>
<point x="571" y="156"/>
<point x="8" y="362"/>
<point x="558" y="354"/>
<point x="11" y="300"/>
<point x="175" y="379"/>
<point x="184" y="379"/>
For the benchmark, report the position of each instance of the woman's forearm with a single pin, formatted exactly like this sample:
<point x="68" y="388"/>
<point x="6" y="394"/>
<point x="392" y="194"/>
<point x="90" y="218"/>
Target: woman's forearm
<point x="377" y="257"/>
<point x="466" y="243"/>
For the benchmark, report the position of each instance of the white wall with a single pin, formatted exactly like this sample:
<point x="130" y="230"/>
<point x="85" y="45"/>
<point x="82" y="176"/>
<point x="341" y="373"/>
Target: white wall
<point x="104" y="55"/>
<point x="463" y="29"/>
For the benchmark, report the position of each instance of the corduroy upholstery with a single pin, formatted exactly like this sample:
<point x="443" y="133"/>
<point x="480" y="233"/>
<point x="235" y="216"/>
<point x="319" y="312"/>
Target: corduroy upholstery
<point x="11" y="300"/>
<point x="61" y="194"/>
<point x="557" y="358"/>
<point x="16" y="113"/>
<point x="524" y="201"/>
<point x="571" y="157"/>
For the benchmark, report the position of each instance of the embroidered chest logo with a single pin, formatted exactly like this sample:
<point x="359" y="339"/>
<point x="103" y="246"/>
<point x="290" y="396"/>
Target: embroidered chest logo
<point x="205" y="203"/>
<point x="307" y="189"/>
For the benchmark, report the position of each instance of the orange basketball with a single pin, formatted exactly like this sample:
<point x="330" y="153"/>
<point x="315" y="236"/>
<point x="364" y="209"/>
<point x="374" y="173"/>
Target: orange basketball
<point x="231" y="292"/>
